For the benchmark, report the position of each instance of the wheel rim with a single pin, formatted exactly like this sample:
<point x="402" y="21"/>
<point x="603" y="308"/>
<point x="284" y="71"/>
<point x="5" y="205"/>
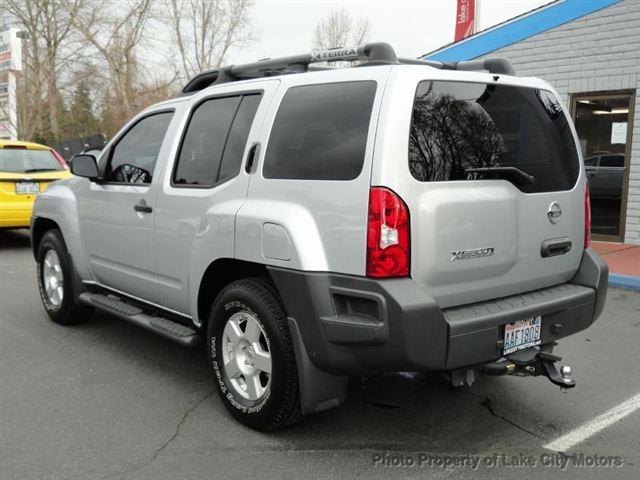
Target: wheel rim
<point x="246" y="356"/>
<point x="52" y="278"/>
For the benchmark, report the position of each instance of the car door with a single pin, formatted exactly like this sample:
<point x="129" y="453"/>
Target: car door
<point x="205" y="187"/>
<point x="611" y="175"/>
<point x="116" y="212"/>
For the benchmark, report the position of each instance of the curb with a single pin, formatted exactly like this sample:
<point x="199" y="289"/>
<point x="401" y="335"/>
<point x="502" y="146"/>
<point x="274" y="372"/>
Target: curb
<point x="627" y="282"/>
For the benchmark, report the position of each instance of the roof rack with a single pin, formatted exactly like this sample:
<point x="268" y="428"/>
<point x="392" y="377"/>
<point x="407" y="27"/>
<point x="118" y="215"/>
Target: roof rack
<point x="372" y="53"/>
<point x="491" y="65"/>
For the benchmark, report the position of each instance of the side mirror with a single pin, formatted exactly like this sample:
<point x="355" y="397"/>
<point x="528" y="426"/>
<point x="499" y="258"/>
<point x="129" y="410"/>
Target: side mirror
<point x="85" y="165"/>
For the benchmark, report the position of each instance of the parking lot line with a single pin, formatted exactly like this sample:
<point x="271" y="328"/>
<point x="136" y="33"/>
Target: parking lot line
<point x="580" y="434"/>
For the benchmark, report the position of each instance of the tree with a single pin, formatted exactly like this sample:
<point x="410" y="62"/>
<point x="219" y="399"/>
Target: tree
<point x="80" y="118"/>
<point x="47" y="53"/>
<point x="205" y="30"/>
<point x="339" y="29"/>
<point x="87" y="68"/>
<point x="116" y="35"/>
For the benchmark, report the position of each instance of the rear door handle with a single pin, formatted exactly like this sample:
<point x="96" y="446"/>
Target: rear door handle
<point x="555" y="246"/>
<point x="251" y="157"/>
<point x="142" y="207"/>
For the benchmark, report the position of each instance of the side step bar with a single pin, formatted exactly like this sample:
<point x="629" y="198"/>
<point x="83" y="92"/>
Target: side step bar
<point x="131" y="313"/>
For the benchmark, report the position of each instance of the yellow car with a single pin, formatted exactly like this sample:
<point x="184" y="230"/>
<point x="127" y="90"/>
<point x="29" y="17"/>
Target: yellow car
<point x="25" y="169"/>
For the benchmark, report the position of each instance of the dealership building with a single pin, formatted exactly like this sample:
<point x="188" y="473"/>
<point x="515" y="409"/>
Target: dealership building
<point x="589" y="50"/>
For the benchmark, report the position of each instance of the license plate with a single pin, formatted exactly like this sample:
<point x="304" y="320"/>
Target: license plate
<point x="27" y="188"/>
<point x="522" y="334"/>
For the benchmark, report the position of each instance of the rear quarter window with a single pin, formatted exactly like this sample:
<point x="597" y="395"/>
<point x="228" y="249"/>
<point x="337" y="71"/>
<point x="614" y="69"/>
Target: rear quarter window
<point x="203" y="144"/>
<point x="320" y="132"/>
<point x="460" y="127"/>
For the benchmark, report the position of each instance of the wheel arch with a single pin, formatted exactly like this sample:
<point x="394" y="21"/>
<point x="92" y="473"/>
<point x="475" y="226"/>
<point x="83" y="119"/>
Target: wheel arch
<point x="39" y="227"/>
<point x="319" y="390"/>
<point x="219" y="274"/>
<point x="57" y="207"/>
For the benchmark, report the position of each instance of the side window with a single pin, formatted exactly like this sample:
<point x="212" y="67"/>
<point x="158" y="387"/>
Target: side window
<point x="237" y="140"/>
<point x="320" y="132"/>
<point x="133" y="158"/>
<point x="612" y="161"/>
<point x="214" y="143"/>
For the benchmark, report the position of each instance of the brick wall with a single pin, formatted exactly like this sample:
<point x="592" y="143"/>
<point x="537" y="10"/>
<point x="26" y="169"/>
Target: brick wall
<point x="598" y="52"/>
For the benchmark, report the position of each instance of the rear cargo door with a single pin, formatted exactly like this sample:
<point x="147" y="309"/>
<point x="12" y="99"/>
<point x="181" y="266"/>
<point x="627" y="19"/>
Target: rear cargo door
<point x="496" y="204"/>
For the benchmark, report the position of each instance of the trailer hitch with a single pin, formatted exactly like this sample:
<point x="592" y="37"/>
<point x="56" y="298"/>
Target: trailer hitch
<point x="562" y="377"/>
<point x="534" y="362"/>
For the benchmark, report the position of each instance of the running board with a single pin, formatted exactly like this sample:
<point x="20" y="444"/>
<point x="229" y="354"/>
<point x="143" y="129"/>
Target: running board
<point x="132" y="313"/>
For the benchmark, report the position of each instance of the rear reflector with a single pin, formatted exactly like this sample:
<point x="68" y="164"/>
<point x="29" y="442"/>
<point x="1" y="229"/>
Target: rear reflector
<point x="587" y="217"/>
<point x="387" y="235"/>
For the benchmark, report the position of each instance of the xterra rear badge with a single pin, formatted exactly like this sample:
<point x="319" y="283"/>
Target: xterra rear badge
<point x="473" y="253"/>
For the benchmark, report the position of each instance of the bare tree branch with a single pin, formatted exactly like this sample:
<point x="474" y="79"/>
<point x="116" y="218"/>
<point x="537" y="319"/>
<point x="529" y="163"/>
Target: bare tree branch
<point x="205" y="30"/>
<point x="339" y="29"/>
<point x="48" y="29"/>
<point x="126" y="27"/>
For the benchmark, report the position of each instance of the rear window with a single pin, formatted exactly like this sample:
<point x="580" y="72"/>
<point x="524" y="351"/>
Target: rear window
<point x="476" y="131"/>
<point x="320" y="132"/>
<point x="22" y="160"/>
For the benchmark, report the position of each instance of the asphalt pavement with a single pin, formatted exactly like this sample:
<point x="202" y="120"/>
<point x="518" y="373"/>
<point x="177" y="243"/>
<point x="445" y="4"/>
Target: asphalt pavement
<point x="109" y="400"/>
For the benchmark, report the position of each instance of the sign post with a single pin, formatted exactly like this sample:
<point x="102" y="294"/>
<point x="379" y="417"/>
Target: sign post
<point x="10" y="63"/>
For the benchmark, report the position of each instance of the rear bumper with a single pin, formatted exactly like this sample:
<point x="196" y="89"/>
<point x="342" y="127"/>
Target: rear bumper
<point x="15" y="214"/>
<point x="360" y="326"/>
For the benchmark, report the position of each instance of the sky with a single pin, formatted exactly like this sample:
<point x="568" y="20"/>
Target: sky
<point x="285" y="27"/>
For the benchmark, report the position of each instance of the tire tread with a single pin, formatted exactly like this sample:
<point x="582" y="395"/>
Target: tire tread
<point x="70" y="312"/>
<point x="289" y="411"/>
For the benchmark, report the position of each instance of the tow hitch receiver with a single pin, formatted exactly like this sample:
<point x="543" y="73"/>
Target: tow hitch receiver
<point x="534" y="362"/>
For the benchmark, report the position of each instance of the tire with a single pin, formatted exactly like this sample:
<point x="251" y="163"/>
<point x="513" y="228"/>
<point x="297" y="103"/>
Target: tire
<point x="58" y="295"/>
<point x="246" y="325"/>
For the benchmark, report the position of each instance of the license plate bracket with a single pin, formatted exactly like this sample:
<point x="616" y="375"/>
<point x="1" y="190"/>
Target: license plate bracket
<point x="522" y="334"/>
<point x="27" y="188"/>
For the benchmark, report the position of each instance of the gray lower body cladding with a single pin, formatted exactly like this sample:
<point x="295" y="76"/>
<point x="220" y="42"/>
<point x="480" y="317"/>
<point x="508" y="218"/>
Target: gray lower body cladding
<point x="361" y="326"/>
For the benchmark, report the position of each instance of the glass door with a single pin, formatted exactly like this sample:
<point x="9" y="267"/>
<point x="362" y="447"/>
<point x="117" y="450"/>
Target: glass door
<point x="604" y="126"/>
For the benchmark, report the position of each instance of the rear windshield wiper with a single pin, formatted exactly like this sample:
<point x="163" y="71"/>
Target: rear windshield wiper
<point x="512" y="172"/>
<point x="35" y="170"/>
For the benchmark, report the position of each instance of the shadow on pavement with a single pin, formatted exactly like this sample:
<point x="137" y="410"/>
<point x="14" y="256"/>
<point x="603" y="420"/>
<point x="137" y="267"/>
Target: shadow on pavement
<point x="401" y="412"/>
<point x="404" y="411"/>
<point x="11" y="239"/>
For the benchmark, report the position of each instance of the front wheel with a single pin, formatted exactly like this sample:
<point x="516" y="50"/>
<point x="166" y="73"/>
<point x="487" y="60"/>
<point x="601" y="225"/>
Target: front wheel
<point x="252" y="356"/>
<point x="55" y="281"/>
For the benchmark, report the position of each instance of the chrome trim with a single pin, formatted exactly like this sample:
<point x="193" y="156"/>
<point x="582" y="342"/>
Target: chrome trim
<point x="554" y="212"/>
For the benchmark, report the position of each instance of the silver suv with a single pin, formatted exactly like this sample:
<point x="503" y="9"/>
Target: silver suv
<point x="309" y="224"/>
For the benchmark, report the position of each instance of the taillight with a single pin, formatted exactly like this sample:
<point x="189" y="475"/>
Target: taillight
<point x="587" y="217"/>
<point x="60" y="159"/>
<point x="387" y="235"/>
